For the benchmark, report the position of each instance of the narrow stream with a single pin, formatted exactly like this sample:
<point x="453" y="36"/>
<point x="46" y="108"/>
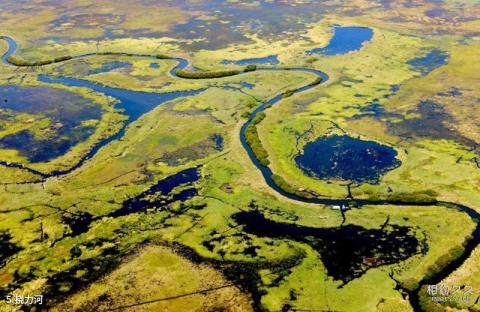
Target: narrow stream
<point x="12" y="47"/>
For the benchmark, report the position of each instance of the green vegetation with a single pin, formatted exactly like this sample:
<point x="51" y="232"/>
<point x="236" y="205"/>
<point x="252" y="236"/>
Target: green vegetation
<point x="467" y="274"/>
<point x="99" y="261"/>
<point x="250" y="68"/>
<point x="154" y="265"/>
<point x="284" y="185"/>
<point x="206" y="75"/>
<point x="62" y="59"/>
<point x="162" y="57"/>
<point x="18" y="62"/>
<point x="288" y="93"/>
<point x="317" y="81"/>
<point x="253" y="140"/>
<point x="427" y="196"/>
<point x="21" y="62"/>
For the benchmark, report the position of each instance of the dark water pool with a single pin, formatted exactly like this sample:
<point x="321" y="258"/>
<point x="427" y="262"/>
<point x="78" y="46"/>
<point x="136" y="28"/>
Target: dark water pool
<point x="7" y="247"/>
<point x="109" y="66"/>
<point x="164" y="187"/>
<point x="431" y="61"/>
<point x="346" y="158"/>
<point x="433" y="123"/>
<point x="267" y="19"/>
<point x="247" y="85"/>
<point x="345" y="40"/>
<point x="80" y="221"/>
<point x="66" y="111"/>
<point x="348" y="251"/>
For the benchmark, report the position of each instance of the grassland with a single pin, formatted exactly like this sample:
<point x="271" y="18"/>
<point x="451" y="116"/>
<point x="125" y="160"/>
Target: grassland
<point x="434" y="166"/>
<point x="110" y="122"/>
<point x="126" y="166"/>
<point x="157" y="272"/>
<point x="226" y="189"/>
<point x="112" y="119"/>
<point x="467" y="275"/>
<point x="325" y="294"/>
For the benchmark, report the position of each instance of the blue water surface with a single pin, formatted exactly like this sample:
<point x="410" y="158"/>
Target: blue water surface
<point x="12" y="46"/>
<point x="345" y="40"/>
<point x="134" y="103"/>
<point x="109" y="66"/>
<point x="431" y="61"/>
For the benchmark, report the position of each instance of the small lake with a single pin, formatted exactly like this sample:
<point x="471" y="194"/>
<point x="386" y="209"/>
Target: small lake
<point x="66" y="112"/>
<point x="347" y="251"/>
<point x="163" y="188"/>
<point x="346" y="158"/>
<point x="345" y="39"/>
<point x="109" y="66"/>
<point x="431" y="61"/>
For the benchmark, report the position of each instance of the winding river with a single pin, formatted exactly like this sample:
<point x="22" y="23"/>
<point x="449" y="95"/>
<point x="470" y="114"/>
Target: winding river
<point x="124" y="96"/>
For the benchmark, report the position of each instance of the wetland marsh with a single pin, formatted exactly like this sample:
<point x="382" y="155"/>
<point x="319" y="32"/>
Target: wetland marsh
<point x="267" y="156"/>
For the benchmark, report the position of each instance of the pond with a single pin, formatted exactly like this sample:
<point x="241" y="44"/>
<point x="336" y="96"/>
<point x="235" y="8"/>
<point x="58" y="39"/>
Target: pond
<point x="65" y="111"/>
<point x="163" y="188"/>
<point x="429" y="62"/>
<point x="346" y="158"/>
<point x="7" y="247"/>
<point x="347" y="252"/>
<point x="345" y="39"/>
<point x="109" y="66"/>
